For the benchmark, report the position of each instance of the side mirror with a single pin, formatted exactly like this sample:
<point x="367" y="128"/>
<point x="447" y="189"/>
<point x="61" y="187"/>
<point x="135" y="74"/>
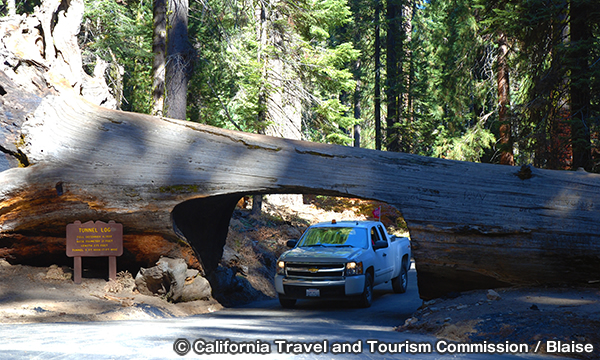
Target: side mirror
<point x="381" y="244"/>
<point x="291" y="243"/>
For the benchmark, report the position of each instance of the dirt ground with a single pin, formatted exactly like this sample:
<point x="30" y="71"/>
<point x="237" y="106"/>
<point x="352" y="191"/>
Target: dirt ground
<point x="35" y="294"/>
<point x="520" y="315"/>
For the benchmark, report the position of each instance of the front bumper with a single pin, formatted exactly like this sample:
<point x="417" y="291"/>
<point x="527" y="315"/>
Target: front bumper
<point x="296" y="288"/>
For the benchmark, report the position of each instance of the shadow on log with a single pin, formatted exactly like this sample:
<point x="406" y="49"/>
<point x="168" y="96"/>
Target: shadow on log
<point x="472" y="225"/>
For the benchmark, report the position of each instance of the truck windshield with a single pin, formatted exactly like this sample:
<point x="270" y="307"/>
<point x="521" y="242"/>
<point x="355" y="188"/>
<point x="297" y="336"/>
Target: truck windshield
<point x="334" y="236"/>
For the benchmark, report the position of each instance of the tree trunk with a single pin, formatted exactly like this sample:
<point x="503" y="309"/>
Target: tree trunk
<point x="506" y="143"/>
<point x="68" y="159"/>
<point x="395" y="75"/>
<point x="283" y="106"/>
<point x="357" y="112"/>
<point x="580" y="86"/>
<point x="377" y="85"/>
<point x="179" y="59"/>
<point x="560" y="152"/>
<point x="159" y="49"/>
<point x="358" y="74"/>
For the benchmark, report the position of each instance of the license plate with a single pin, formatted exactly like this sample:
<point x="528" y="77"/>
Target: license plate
<point x="313" y="292"/>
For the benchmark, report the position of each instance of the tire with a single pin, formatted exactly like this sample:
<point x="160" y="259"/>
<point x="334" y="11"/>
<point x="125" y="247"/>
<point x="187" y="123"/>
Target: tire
<point x="400" y="283"/>
<point x="287" y="303"/>
<point x="366" y="299"/>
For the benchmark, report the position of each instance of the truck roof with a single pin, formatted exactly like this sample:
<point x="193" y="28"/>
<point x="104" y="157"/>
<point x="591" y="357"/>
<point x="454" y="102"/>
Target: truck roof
<point x="348" y="223"/>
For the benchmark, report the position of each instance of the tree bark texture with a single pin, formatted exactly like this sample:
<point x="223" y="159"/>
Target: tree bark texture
<point x="179" y="59"/>
<point x="377" y="85"/>
<point x="395" y="75"/>
<point x="159" y="49"/>
<point x="472" y="225"/>
<point x="580" y="85"/>
<point x="505" y="141"/>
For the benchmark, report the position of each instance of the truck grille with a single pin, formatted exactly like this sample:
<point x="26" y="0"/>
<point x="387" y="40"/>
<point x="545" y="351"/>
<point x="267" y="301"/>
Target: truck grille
<point x="315" y="271"/>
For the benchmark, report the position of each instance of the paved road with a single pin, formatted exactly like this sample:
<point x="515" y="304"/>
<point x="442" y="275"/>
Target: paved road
<point x="260" y="327"/>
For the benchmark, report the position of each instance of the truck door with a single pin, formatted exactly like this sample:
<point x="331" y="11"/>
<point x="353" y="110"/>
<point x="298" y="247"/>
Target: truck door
<point x="384" y="265"/>
<point x="393" y="255"/>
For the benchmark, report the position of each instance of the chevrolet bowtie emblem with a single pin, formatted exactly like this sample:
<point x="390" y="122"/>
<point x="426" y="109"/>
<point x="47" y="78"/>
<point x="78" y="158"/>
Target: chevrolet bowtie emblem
<point x="313" y="270"/>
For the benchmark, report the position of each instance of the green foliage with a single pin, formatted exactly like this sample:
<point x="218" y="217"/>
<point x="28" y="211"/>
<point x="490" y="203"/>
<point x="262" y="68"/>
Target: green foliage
<point x="235" y="82"/>
<point x="453" y="83"/>
<point x="469" y="147"/>
<point x="325" y="49"/>
<point x="121" y="34"/>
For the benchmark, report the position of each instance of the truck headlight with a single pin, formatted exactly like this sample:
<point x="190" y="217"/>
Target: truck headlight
<point x="354" y="268"/>
<point x="281" y="267"/>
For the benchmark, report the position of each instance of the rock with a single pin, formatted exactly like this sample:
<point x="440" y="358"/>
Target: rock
<point x="172" y="279"/>
<point x="493" y="295"/>
<point x="196" y="289"/>
<point x="190" y="274"/>
<point x="230" y="257"/>
<point x="222" y="279"/>
<point x="230" y="288"/>
<point x="4" y="263"/>
<point x="150" y="281"/>
<point x="410" y="321"/>
<point x="176" y="271"/>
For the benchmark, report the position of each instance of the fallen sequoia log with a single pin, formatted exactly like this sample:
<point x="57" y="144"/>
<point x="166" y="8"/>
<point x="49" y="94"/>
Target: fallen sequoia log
<point x="472" y="225"/>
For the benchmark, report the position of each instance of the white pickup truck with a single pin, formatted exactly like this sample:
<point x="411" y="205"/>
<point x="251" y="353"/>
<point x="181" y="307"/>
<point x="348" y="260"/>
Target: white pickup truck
<point x="342" y="260"/>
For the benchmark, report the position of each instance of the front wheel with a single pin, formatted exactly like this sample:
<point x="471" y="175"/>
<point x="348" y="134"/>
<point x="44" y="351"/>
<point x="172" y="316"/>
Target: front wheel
<point x="366" y="298"/>
<point x="287" y="303"/>
<point x="400" y="283"/>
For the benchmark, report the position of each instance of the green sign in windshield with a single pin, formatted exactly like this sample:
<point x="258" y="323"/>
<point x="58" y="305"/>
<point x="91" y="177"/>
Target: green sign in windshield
<point x="335" y="236"/>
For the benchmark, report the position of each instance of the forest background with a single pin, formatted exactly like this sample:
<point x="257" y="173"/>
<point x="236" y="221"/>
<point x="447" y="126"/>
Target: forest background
<point x="503" y="81"/>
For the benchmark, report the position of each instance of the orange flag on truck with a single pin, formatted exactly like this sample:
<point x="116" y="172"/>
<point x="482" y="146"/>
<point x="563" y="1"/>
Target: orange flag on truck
<point x="377" y="213"/>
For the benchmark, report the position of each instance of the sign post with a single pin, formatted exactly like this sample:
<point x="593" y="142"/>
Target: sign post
<point x="94" y="239"/>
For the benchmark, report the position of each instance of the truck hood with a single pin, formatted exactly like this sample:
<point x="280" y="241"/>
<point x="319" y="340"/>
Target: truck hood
<point x="321" y="254"/>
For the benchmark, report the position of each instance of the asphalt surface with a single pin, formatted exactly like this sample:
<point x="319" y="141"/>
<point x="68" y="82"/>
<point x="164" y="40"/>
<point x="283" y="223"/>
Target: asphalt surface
<point x="262" y="330"/>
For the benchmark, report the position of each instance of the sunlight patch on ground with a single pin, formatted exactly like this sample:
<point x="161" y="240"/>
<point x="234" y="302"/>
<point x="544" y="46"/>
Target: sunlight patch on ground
<point x="558" y="301"/>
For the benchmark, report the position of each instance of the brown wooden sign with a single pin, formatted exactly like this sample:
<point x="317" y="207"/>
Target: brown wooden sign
<point x="94" y="239"/>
